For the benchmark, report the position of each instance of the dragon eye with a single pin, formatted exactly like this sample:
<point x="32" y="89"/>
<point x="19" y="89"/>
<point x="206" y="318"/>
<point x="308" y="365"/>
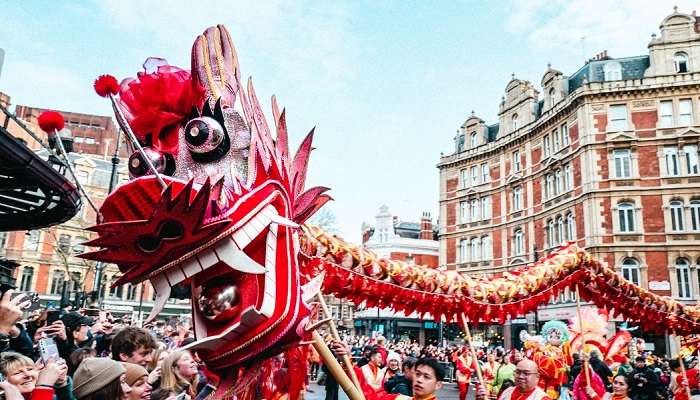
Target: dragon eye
<point x="163" y="162"/>
<point x="206" y="139"/>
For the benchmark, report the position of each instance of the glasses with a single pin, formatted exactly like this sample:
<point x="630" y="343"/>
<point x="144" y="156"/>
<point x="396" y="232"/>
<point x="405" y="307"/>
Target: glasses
<point x="526" y="373"/>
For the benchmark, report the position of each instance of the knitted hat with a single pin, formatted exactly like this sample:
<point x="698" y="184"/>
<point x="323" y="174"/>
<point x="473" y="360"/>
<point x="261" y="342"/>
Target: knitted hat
<point x="133" y="372"/>
<point x="94" y="374"/>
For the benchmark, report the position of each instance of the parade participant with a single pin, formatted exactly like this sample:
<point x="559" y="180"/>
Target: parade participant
<point x="526" y="384"/>
<point x="489" y="369"/>
<point x="620" y="390"/>
<point x="465" y="364"/>
<point x="427" y="380"/>
<point x="679" y="385"/>
<point x="504" y="373"/>
<point x="553" y="357"/>
<point x="370" y="376"/>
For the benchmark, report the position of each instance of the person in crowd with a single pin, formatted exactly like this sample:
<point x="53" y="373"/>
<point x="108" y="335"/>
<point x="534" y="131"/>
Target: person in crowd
<point x="78" y="356"/>
<point x="393" y="366"/>
<point x="35" y="382"/>
<point x="646" y="383"/>
<point x="465" y="364"/>
<point x="77" y="328"/>
<point x="527" y="377"/>
<point x="154" y="367"/>
<point x="133" y="345"/>
<point x="100" y="379"/>
<point x="402" y="383"/>
<point x="620" y="389"/>
<point x="137" y="379"/>
<point x="601" y="369"/>
<point x="587" y="380"/>
<point x="427" y="380"/>
<point x="314" y="364"/>
<point x="179" y="373"/>
<point x="504" y="373"/>
<point x="381" y="342"/>
<point x="371" y="374"/>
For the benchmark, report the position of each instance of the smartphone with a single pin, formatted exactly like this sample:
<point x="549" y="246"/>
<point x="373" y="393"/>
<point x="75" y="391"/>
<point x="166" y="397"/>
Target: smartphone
<point x="181" y="396"/>
<point x="48" y="349"/>
<point x="52" y="316"/>
<point x="92" y="312"/>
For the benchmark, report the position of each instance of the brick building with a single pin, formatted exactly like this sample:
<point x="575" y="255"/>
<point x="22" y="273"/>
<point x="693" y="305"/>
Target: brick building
<point x="606" y="157"/>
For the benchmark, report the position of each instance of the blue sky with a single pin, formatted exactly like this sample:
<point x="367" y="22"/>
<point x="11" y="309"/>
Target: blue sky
<point x="385" y="83"/>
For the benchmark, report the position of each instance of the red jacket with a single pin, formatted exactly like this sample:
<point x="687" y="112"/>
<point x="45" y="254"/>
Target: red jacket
<point x="42" y="393"/>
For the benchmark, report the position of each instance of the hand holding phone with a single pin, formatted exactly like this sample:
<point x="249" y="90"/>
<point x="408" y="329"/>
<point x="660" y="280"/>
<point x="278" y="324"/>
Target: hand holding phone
<point x="48" y="350"/>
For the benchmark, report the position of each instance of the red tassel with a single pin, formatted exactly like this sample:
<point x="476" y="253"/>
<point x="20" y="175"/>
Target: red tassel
<point x="106" y="85"/>
<point x="50" y="121"/>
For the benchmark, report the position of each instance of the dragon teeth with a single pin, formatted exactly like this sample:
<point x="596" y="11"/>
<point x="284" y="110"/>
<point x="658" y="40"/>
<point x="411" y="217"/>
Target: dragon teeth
<point x="162" y="287"/>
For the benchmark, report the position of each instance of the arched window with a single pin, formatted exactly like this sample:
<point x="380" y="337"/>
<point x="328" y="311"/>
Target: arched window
<point x="630" y="270"/>
<point x="612" y="71"/>
<point x="475" y="211"/>
<point x="552" y="97"/>
<point x="680" y="60"/>
<point x="485" y="247"/>
<point x="518" y="242"/>
<point x="514" y="122"/>
<point x="558" y="181"/>
<point x="459" y="143"/>
<point x="57" y="282"/>
<point x="570" y="227"/>
<point x="625" y="214"/>
<point x="677" y="223"/>
<point x="683" y="278"/>
<point x="550" y="233"/>
<point x="463" y="250"/>
<point x="560" y="230"/>
<point x="476" y="249"/>
<point x="695" y="215"/>
<point x="473" y="140"/>
<point x="26" y="282"/>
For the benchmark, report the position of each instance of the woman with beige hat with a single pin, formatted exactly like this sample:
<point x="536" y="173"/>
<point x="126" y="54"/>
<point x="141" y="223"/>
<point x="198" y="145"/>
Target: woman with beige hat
<point x="100" y="379"/>
<point x="137" y="379"/>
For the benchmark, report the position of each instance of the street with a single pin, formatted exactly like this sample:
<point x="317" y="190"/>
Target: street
<point x="449" y="392"/>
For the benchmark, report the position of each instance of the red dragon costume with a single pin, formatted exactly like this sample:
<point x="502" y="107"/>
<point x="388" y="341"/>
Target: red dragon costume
<point x="217" y="203"/>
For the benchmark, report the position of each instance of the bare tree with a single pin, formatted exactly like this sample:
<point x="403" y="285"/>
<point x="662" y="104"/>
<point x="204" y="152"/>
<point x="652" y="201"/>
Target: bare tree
<point x="325" y="219"/>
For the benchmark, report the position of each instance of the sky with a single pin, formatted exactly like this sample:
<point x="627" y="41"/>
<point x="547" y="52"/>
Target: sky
<point x="386" y="84"/>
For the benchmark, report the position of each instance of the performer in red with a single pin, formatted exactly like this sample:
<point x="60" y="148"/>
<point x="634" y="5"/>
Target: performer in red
<point x="427" y="380"/>
<point x="465" y="365"/>
<point x="554" y="357"/>
<point x="527" y="377"/>
<point x="680" y="392"/>
<point x="371" y="376"/>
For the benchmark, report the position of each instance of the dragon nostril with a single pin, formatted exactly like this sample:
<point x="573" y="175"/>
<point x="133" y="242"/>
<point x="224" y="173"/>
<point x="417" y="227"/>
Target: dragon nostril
<point x="171" y="229"/>
<point x="148" y="243"/>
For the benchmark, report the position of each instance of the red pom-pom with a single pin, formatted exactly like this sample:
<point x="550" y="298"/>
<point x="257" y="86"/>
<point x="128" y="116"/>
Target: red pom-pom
<point x="106" y="85"/>
<point x="50" y="121"/>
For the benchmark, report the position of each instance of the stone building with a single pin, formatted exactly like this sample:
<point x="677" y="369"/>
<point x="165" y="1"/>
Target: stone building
<point x="606" y="157"/>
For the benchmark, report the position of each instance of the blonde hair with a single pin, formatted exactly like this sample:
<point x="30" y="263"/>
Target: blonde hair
<point x="156" y="355"/>
<point x="11" y="361"/>
<point x="171" y="380"/>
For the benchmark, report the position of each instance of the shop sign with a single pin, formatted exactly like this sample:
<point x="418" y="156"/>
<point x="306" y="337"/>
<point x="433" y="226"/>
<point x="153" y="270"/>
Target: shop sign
<point x="659" y="285"/>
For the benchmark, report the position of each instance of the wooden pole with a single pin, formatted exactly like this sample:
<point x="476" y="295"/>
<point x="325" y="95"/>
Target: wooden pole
<point x="583" y="338"/>
<point x="472" y="351"/>
<point x="335" y="369"/>
<point x="334" y="331"/>
<point x="683" y="373"/>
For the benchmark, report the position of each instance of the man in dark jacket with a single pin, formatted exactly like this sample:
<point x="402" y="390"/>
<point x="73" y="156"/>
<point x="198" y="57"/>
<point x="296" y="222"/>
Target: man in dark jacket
<point x="602" y="369"/>
<point x="646" y="383"/>
<point x="402" y="383"/>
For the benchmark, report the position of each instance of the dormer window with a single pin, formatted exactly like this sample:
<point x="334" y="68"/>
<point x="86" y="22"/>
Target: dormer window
<point x="514" y="122"/>
<point x="680" y="60"/>
<point x="613" y="71"/>
<point x="459" y="143"/>
<point x="473" y="140"/>
<point x="552" y="97"/>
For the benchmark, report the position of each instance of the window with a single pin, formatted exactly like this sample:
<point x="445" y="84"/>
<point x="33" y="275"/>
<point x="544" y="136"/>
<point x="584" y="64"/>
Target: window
<point x="625" y="213"/>
<point x="463" y="250"/>
<point x="514" y="122"/>
<point x="115" y="292"/>
<point x="612" y="71"/>
<point x="59" y="277"/>
<point x="516" y="161"/>
<point x="76" y="282"/>
<point x="685" y="112"/>
<point x="552" y="97"/>
<point x="463" y="212"/>
<point x="666" y="113"/>
<point x="695" y="215"/>
<point x="475" y="175"/>
<point x="474" y="214"/>
<point x="64" y="243"/>
<point x="558" y="181"/>
<point x="677" y="216"/>
<point x="518" y="242"/>
<point x="671" y="158"/>
<point x="89" y="140"/>
<point x="555" y="144"/>
<point x="476" y="249"/>
<point x="570" y="227"/>
<point x="473" y="140"/>
<point x="630" y="271"/>
<point x="623" y="163"/>
<point x="568" y="177"/>
<point x="545" y="144"/>
<point x="683" y="278"/>
<point x="485" y="247"/>
<point x="486" y="207"/>
<point x="31" y="240"/>
<point x="680" y="60"/>
<point x="564" y="129"/>
<point x="617" y="117"/>
<point x="691" y="159"/>
<point x="459" y="143"/>
<point x="463" y="178"/>
<point x="25" y="284"/>
<point x="517" y="198"/>
<point x="485" y="177"/>
<point x="131" y="292"/>
<point x="560" y="231"/>
<point x="549" y="186"/>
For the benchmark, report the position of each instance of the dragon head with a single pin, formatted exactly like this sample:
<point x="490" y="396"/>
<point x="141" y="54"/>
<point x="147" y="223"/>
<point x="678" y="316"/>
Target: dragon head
<point x="223" y="215"/>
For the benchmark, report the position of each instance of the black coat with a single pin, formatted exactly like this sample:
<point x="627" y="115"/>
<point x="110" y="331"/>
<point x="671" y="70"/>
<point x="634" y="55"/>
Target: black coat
<point x="399" y="384"/>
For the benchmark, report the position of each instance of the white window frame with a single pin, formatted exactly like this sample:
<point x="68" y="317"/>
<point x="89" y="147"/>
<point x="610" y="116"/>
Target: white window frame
<point x="622" y="159"/>
<point x="474" y="210"/>
<point x="626" y="217"/>
<point x="684" y="286"/>
<point x="666" y="113"/>
<point x="518" y="242"/>
<point x="517" y="198"/>
<point x="568" y="177"/>
<point x="685" y="112"/>
<point x="473" y="140"/>
<point x="475" y="254"/>
<point x="516" y="161"/>
<point x="671" y="161"/>
<point x="695" y="215"/>
<point x="485" y="207"/>
<point x="564" y="129"/>
<point x="570" y="227"/>
<point x="485" y="176"/>
<point x="549" y="186"/>
<point x="463" y="252"/>
<point x="464" y="178"/>
<point x="514" y="123"/>
<point x="486" y="248"/>
<point x="558" y="181"/>
<point x="676" y="210"/>
<point x="680" y="62"/>
<point x="631" y="271"/>
<point x="692" y="159"/>
<point x="612" y="71"/>
<point x="474" y="170"/>
<point x="546" y="145"/>
<point x="556" y="144"/>
<point x="617" y="117"/>
<point x="463" y="212"/>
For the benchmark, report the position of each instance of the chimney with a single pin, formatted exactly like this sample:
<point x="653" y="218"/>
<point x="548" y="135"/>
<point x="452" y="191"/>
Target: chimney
<point x="426" y="227"/>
